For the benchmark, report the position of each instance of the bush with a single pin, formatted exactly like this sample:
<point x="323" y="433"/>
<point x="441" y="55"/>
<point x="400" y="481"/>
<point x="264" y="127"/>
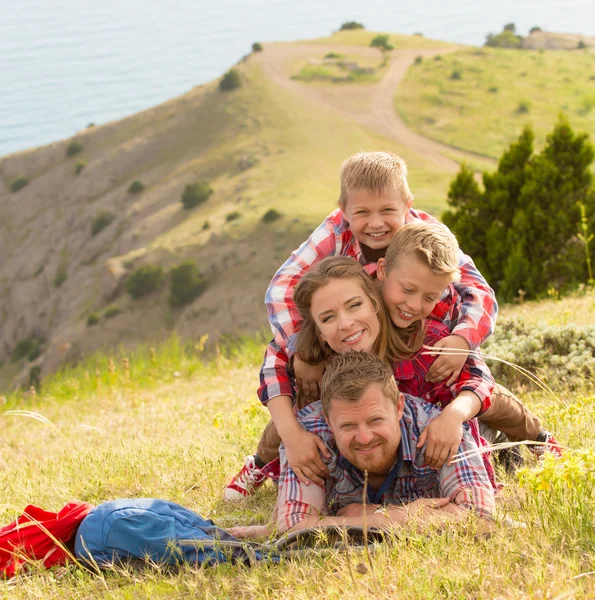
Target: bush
<point x="232" y="216"/>
<point x="534" y="29"/>
<point x="333" y="55"/>
<point x="29" y="348"/>
<point x="35" y="377"/>
<point x="206" y="225"/>
<point x="381" y="41"/>
<point x="79" y="167"/>
<point x="455" y="75"/>
<point x="230" y="81"/>
<point x="437" y="57"/>
<point x="61" y="274"/>
<point x="186" y="283"/>
<point x="271" y="215"/>
<point x="136" y="187"/>
<point x="145" y="280"/>
<point x="567" y="353"/>
<point x="351" y="25"/>
<point x="111" y="311"/>
<point x="256" y="47"/>
<point x="100" y="221"/>
<point x="195" y="194"/>
<point x="92" y="319"/>
<point x="493" y="90"/>
<point x="523" y="107"/>
<point x="75" y="147"/>
<point x="419" y="60"/>
<point x="18" y="184"/>
<point x="581" y="45"/>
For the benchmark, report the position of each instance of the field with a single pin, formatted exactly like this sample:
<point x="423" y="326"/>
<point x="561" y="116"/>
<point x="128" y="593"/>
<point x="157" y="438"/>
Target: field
<point x="176" y="424"/>
<point x="480" y="99"/>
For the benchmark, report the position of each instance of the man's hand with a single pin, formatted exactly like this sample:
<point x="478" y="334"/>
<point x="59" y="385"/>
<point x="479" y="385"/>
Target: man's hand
<point x="443" y="436"/>
<point x="308" y="378"/>
<point x="356" y="509"/>
<point x="448" y="366"/>
<point x="303" y="449"/>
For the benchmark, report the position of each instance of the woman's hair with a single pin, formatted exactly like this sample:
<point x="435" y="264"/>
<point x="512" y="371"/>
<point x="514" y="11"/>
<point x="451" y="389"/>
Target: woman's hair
<point x="392" y="344"/>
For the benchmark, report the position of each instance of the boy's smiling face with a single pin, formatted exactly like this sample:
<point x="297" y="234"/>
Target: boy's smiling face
<point x="410" y="290"/>
<point x="375" y="218"/>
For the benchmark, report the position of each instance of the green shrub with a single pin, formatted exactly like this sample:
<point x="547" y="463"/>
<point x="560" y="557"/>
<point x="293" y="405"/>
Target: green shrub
<point x="90" y="125"/>
<point x="92" y="319"/>
<point x="75" y="147"/>
<point x="493" y="90"/>
<point x="195" y="194"/>
<point x="230" y="81"/>
<point x="523" y="107"/>
<point x="419" y="59"/>
<point x="581" y="45"/>
<point x="232" y="216"/>
<point x="567" y="353"/>
<point x="456" y="75"/>
<point x="351" y="25"/>
<point x="437" y="57"/>
<point x="136" y="187"/>
<point x="35" y="377"/>
<point x="111" y="311"/>
<point x="19" y="183"/>
<point x="61" y="274"/>
<point x="100" y="221"/>
<point x="333" y="55"/>
<point x="271" y="215"/>
<point x="145" y="280"/>
<point x="206" y="225"/>
<point x="256" y="47"/>
<point x="534" y="29"/>
<point x="79" y="167"/>
<point x="186" y="283"/>
<point x="381" y="41"/>
<point x="29" y="348"/>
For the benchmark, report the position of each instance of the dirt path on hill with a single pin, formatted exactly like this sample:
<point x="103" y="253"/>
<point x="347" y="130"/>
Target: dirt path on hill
<point x="371" y="105"/>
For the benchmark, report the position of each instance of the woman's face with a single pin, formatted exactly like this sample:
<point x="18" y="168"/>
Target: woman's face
<point x="345" y="316"/>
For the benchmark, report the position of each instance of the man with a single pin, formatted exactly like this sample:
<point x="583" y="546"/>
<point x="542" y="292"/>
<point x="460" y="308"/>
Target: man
<point x="369" y="426"/>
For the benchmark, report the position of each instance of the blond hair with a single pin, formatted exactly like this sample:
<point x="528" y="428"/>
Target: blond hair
<point x="374" y="172"/>
<point x="348" y="376"/>
<point x="432" y="243"/>
<point x="391" y="344"/>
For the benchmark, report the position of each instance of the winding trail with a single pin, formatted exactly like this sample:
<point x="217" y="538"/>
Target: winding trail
<point x="371" y="105"/>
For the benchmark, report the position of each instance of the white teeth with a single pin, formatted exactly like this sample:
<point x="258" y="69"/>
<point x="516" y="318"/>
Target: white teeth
<point x="354" y="337"/>
<point x="377" y="234"/>
<point x="406" y="314"/>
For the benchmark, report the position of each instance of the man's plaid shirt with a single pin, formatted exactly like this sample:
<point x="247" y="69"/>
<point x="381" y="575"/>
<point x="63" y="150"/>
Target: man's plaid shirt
<point x="409" y="479"/>
<point x="470" y="313"/>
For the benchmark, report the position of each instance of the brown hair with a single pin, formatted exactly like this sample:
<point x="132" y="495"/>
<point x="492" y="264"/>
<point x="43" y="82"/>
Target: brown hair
<point x="374" y="172"/>
<point x="432" y="243"/>
<point x="392" y="344"/>
<point x="348" y="376"/>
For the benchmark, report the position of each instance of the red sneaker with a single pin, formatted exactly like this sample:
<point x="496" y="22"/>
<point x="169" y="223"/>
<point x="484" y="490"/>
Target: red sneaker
<point x="551" y="445"/>
<point x="249" y="479"/>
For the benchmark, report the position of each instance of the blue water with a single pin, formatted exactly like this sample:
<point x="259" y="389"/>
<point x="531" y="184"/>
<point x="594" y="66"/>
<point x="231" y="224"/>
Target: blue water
<point x="66" y="63"/>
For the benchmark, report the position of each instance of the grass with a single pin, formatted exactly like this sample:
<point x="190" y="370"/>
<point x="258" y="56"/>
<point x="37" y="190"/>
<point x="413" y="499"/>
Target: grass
<point x="532" y="87"/>
<point x="362" y="37"/>
<point x="175" y="422"/>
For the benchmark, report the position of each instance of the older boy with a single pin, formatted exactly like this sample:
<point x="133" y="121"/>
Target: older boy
<point x="375" y="201"/>
<point x="367" y="425"/>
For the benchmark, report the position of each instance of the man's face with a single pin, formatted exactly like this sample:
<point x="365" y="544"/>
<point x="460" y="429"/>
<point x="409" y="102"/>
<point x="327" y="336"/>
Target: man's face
<point x="410" y="290"/>
<point x="367" y="433"/>
<point x="375" y="218"/>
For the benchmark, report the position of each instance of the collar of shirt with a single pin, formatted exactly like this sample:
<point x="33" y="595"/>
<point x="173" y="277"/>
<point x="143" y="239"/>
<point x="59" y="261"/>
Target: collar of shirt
<point x="400" y="468"/>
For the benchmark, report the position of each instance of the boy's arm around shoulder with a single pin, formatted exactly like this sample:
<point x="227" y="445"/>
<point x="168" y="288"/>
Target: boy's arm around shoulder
<point x="325" y="240"/>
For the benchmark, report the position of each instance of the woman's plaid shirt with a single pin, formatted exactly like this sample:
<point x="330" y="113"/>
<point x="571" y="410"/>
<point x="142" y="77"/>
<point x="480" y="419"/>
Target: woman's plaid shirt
<point x="409" y="480"/>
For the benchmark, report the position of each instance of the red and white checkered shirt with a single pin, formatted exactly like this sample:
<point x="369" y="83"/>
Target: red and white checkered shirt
<point x="409" y="480"/>
<point x="470" y="312"/>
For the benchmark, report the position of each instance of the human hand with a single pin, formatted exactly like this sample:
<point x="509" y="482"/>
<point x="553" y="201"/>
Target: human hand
<point x="356" y="510"/>
<point x="303" y="449"/>
<point x="418" y="510"/>
<point x="249" y="531"/>
<point x="308" y="378"/>
<point x="443" y="436"/>
<point x="448" y="365"/>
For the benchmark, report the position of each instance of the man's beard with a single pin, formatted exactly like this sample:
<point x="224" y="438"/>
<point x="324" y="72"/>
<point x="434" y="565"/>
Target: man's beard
<point x="378" y="462"/>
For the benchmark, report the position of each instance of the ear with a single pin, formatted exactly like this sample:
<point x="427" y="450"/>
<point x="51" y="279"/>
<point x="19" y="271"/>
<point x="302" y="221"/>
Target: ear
<point x="381" y="269"/>
<point x="400" y="407"/>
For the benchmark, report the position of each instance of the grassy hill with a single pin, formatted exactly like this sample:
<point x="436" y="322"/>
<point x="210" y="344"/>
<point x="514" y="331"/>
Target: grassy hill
<point x="480" y="99"/>
<point x="173" y="423"/>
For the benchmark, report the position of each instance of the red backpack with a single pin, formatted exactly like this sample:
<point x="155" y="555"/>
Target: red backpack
<point x="40" y="535"/>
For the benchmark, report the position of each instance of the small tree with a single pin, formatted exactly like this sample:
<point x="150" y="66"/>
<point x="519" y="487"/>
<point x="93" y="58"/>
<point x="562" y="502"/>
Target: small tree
<point x="581" y="45"/>
<point x="351" y="25"/>
<point x="230" y="81"/>
<point x="195" y="194"/>
<point x="100" y="221"/>
<point x="256" y="47"/>
<point x="509" y="27"/>
<point x="136" y="187"/>
<point x="233" y="216"/>
<point x="271" y="215"/>
<point x="186" y="283"/>
<point x="381" y="42"/>
<point x="145" y="280"/>
<point x="535" y="29"/>
<point x="80" y="165"/>
<point x="75" y="147"/>
<point x="18" y="184"/>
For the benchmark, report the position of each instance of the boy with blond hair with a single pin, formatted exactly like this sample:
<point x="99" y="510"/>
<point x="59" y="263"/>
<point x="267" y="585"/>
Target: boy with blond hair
<point x="374" y="203"/>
